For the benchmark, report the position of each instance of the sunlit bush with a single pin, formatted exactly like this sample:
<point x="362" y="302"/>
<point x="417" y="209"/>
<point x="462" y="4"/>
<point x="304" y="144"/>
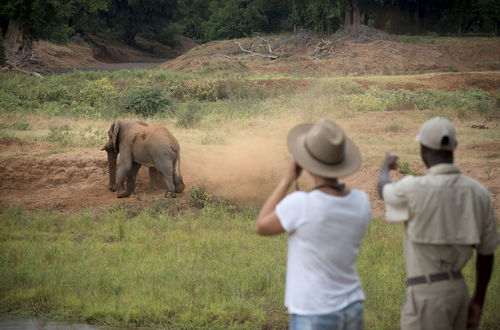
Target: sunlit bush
<point x="147" y="101"/>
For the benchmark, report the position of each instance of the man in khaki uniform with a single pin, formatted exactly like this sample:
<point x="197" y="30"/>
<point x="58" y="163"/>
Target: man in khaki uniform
<point x="446" y="215"/>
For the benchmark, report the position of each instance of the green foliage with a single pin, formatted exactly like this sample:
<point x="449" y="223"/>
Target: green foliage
<point x="189" y="114"/>
<point x="215" y="89"/>
<point x="170" y="34"/>
<point x="232" y="19"/>
<point x="96" y="92"/>
<point x="472" y="100"/>
<point x="406" y="169"/>
<point x="48" y="19"/>
<point x="60" y="135"/>
<point x="52" y="91"/>
<point x="318" y="15"/>
<point x="21" y="125"/>
<point x="194" y="269"/>
<point x="199" y="196"/>
<point x="147" y="101"/>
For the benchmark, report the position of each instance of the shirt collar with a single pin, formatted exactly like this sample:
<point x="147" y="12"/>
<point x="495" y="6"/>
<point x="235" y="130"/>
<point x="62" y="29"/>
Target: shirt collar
<point x="444" y="168"/>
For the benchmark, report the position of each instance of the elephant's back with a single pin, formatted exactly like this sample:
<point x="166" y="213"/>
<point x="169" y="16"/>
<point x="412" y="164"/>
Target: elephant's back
<point x="159" y="134"/>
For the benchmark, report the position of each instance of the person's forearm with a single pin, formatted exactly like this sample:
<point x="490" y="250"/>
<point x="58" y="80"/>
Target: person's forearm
<point x="383" y="179"/>
<point x="484" y="268"/>
<point x="276" y="196"/>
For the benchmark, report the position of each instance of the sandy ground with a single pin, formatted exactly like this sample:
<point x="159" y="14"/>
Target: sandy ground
<point x="247" y="163"/>
<point x="244" y="167"/>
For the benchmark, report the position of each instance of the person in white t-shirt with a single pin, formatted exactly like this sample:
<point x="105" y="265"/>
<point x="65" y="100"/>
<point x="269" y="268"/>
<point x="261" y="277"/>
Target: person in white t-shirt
<point x="325" y="227"/>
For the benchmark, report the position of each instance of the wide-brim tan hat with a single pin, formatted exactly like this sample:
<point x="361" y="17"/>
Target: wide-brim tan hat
<point x="324" y="150"/>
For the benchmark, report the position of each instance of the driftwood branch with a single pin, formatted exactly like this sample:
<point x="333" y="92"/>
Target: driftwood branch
<point x="272" y="57"/>
<point x="324" y="47"/>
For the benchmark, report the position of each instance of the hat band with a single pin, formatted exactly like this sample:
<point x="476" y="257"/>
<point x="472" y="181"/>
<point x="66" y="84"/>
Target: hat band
<point x="320" y="160"/>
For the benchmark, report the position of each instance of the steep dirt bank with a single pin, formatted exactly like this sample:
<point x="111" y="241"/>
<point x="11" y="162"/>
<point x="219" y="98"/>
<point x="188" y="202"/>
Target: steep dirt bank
<point x="312" y="55"/>
<point x="105" y="51"/>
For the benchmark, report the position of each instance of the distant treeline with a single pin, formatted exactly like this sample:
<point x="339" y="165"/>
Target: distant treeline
<point x="205" y="20"/>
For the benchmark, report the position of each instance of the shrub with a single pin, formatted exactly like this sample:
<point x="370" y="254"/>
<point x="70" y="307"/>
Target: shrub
<point x="200" y="197"/>
<point x="147" y="101"/>
<point x="201" y="90"/>
<point x="52" y="91"/>
<point x="189" y="114"/>
<point x="21" y="125"/>
<point x="60" y="135"/>
<point x="96" y="92"/>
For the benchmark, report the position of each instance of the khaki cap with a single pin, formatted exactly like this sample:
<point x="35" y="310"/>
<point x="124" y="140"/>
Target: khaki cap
<point x="324" y="149"/>
<point x="433" y="132"/>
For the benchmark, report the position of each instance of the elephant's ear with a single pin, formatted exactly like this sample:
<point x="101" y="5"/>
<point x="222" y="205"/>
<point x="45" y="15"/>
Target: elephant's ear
<point x="114" y="135"/>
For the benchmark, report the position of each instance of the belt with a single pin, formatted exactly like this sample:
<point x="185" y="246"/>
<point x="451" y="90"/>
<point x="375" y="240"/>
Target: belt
<point x="434" y="278"/>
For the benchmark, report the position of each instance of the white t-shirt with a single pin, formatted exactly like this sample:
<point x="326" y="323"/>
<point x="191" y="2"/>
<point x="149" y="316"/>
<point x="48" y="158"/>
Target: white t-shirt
<point x="325" y="233"/>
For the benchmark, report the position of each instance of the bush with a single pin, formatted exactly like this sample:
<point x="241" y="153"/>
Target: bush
<point x="195" y="89"/>
<point x="21" y="125"/>
<point x="200" y="197"/>
<point x="52" y="91"/>
<point x="96" y="92"/>
<point x="147" y="101"/>
<point x="60" y="135"/>
<point x="189" y="114"/>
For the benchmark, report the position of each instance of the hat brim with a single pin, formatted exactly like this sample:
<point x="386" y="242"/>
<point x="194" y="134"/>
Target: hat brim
<point x="296" y="146"/>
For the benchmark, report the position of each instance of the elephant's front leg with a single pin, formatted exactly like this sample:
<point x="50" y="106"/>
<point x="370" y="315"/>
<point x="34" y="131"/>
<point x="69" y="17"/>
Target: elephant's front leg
<point x="124" y="168"/>
<point x="131" y="177"/>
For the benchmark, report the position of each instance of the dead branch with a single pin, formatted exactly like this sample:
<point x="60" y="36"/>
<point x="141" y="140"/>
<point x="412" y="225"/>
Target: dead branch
<point x="324" y="47"/>
<point x="267" y="42"/>
<point x="272" y="57"/>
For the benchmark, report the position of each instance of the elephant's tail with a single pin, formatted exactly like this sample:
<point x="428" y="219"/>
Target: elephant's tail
<point x="179" y="162"/>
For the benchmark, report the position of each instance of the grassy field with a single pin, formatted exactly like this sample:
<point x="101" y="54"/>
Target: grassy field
<point x="195" y="262"/>
<point x="157" y="267"/>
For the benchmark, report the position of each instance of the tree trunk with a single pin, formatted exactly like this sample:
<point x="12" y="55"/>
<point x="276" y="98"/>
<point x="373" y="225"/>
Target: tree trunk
<point x="347" y="18"/>
<point x="416" y="20"/>
<point x="356" y="16"/>
<point x="2" y="51"/>
<point x="129" y="36"/>
<point x="460" y="17"/>
<point x="17" y="45"/>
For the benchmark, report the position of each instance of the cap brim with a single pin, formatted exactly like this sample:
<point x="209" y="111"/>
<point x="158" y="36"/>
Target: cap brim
<point x="296" y="146"/>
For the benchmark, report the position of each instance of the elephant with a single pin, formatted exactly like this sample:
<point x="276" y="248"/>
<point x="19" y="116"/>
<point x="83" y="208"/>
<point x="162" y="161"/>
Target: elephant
<point x="136" y="144"/>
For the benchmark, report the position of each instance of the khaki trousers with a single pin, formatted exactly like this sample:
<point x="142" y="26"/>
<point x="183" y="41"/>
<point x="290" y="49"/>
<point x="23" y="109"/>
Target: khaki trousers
<point x="439" y="305"/>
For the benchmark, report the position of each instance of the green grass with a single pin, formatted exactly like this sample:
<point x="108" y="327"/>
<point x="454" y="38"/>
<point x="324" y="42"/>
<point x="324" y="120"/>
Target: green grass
<point x="160" y="265"/>
<point x="106" y="96"/>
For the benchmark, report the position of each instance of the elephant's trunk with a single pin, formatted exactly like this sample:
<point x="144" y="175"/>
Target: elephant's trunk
<point x="112" y="169"/>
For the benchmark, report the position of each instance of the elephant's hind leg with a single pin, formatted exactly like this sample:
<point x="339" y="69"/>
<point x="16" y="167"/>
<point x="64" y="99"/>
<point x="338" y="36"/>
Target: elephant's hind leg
<point x="167" y="169"/>
<point x="155" y="179"/>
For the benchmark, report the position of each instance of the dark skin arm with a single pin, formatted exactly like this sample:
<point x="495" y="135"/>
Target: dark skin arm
<point x="484" y="268"/>
<point x="390" y="163"/>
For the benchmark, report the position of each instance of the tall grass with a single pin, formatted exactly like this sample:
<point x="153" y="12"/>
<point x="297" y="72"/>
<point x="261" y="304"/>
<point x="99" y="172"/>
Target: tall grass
<point x="98" y="95"/>
<point x="167" y="265"/>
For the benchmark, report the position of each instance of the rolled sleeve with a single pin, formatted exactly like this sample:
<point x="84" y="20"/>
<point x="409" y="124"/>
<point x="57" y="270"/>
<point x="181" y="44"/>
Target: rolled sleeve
<point x="490" y="237"/>
<point x="396" y="201"/>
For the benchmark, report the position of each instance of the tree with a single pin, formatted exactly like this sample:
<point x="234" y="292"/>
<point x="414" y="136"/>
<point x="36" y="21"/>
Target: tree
<point x="319" y="15"/>
<point x="130" y="17"/>
<point x="233" y="19"/>
<point x="28" y="20"/>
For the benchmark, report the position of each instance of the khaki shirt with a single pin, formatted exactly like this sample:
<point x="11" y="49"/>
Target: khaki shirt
<point x="446" y="214"/>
